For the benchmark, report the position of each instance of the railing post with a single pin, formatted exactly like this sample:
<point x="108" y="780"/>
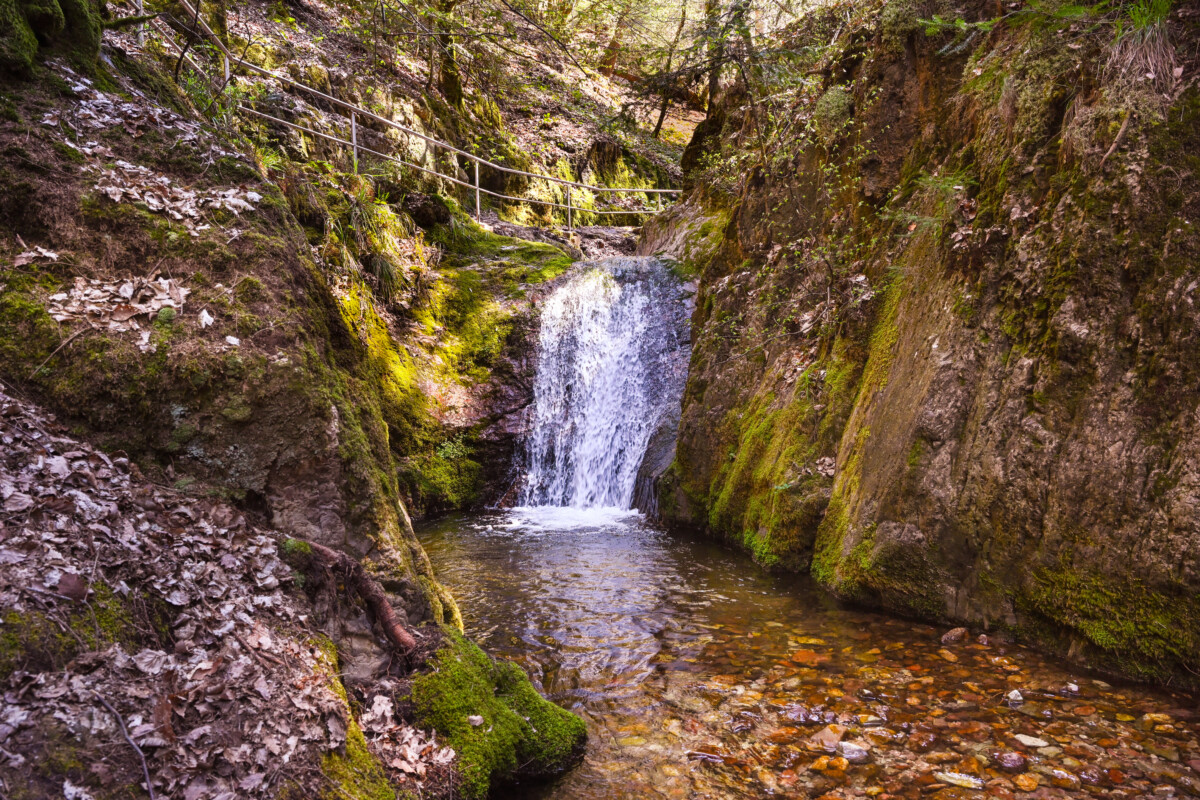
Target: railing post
<point x="226" y="57"/>
<point x="569" y="223"/>
<point x="354" y="138"/>
<point x="478" y="213"/>
<point x="141" y="12"/>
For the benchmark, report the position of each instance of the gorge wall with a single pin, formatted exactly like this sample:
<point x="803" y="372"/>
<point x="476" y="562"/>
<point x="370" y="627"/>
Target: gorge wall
<point x="946" y="339"/>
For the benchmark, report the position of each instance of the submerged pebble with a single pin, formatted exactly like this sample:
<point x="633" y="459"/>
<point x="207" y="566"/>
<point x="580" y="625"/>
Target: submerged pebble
<point x="855" y="754"/>
<point x="1031" y="741"/>
<point x="958" y="779"/>
<point x="1011" y="762"/>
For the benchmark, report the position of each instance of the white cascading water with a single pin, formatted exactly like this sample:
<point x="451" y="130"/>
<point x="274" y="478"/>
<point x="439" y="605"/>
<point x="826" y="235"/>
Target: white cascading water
<point x="612" y="361"/>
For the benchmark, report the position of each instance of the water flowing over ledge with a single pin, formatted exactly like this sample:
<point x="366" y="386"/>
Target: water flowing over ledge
<point x="612" y="361"/>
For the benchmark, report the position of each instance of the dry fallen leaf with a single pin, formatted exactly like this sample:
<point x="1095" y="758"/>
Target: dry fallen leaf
<point x="72" y="586"/>
<point x="29" y="256"/>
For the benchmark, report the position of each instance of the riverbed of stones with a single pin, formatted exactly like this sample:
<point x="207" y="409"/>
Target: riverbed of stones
<point x="855" y="710"/>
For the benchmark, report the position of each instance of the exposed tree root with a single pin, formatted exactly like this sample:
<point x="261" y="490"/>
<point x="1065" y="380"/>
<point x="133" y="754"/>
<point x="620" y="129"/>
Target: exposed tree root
<point x="370" y="591"/>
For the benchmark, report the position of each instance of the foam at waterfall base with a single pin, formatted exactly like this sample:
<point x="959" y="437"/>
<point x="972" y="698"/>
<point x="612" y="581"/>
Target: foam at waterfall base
<point x="555" y="519"/>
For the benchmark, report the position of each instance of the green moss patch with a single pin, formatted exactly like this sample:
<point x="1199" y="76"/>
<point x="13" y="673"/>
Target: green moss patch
<point x="757" y="497"/>
<point x="1125" y="625"/>
<point x="34" y="641"/>
<point x="505" y="263"/>
<point x="71" y="26"/>
<point x="447" y="477"/>
<point x="522" y="735"/>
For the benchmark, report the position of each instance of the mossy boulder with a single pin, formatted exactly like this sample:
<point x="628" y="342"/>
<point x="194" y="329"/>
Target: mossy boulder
<point x="71" y="26"/>
<point x="494" y="718"/>
<point x="18" y="44"/>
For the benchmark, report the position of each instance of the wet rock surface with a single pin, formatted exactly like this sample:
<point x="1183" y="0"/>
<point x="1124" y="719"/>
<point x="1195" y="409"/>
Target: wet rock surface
<point x="987" y="415"/>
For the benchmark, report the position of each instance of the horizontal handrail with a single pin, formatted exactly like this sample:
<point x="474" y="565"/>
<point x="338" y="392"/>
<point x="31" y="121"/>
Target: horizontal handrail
<point x="402" y="162"/>
<point x="372" y="115"/>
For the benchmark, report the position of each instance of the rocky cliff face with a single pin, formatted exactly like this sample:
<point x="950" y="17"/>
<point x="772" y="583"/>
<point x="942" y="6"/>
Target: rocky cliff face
<point x="947" y="339"/>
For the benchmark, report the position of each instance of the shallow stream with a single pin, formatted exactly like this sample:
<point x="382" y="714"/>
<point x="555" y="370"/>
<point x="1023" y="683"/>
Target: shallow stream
<point x="701" y="676"/>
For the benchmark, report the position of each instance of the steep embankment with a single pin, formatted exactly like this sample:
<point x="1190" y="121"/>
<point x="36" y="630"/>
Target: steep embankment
<point x="149" y="634"/>
<point x="267" y="343"/>
<point x="946" y="342"/>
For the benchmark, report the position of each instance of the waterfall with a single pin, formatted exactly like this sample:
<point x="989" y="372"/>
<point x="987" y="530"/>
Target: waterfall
<point x="612" y="360"/>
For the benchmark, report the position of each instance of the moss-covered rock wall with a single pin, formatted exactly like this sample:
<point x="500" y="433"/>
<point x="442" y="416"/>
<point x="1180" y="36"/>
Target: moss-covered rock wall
<point x="946" y="344"/>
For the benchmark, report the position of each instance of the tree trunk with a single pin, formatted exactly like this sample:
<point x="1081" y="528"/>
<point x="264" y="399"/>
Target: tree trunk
<point x="666" y="95"/>
<point x="449" y="80"/>
<point x="741" y="26"/>
<point x="431" y="43"/>
<point x="716" y="50"/>
<point x="608" y="62"/>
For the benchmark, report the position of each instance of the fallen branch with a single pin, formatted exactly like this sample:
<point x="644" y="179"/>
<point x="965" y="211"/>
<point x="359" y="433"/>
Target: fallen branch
<point x="132" y="743"/>
<point x="263" y="659"/>
<point x="371" y="592"/>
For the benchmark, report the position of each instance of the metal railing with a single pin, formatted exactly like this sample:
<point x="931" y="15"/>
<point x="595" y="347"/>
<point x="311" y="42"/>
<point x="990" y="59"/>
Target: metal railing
<point x="355" y="112"/>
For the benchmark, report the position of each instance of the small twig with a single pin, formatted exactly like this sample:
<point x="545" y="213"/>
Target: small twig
<point x="52" y="612"/>
<point x="154" y="270"/>
<point x="132" y="743"/>
<point x="261" y="658"/>
<point x="48" y="593"/>
<point x="1117" y="141"/>
<point x="90" y="581"/>
<point x="66" y="342"/>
